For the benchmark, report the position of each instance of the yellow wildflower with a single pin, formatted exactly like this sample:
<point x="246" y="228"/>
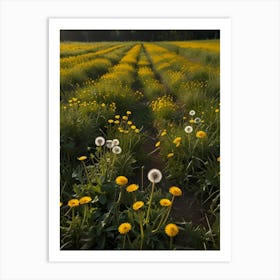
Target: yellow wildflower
<point x="125" y="118"/>
<point x="85" y="199"/>
<point x="177" y="141"/>
<point x="110" y="121"/>
<point x="60" y="204"/>
<point x="157" y="144"/>
<point x="201" y="134"/>
<point x="217" y="111"/>
<point x="170" y="155"/>
<point x="175" y="191"/>
<point x="136" y="130"/>
<point x="137" y="205"/>
<point x="165" y="202"/>
<point x="133" y="127"/>
<point x="191" y="121"/>
<point x="218" y="159"/>
<point x="171" y="230"/>
<point x="132" y="188"/>
<point x="117" y="116"/>
<point x="116" y="121"/>
<point x="82" y="158"/>
<point x="124" y="228"/>
<point x="128" y="112"/>
<point x="121" y="180"/>
<point x="129" y="122"/>
<point x="73" y="202"/>
<point x="163" y="133"/>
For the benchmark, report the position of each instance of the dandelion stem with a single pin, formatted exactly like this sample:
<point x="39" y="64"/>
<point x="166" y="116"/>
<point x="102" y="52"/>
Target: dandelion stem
<point x="169" y="210"/>
<point x="150" y="202"/>
<point x="84" y="217"/>
<point x="141" y="230"/>
<point x="124" y="241"/>
<point x="142" y="177"/>
<point x="84" y="165"/>
<point x="161" y="220"/>
<point x="170" y="244"/>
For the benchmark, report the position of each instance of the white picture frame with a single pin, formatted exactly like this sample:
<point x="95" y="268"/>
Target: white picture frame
<point x="24" y="230"/>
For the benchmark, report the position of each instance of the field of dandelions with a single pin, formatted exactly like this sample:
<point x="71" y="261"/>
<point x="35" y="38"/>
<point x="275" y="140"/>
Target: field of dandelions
<point x="140" y="145"/>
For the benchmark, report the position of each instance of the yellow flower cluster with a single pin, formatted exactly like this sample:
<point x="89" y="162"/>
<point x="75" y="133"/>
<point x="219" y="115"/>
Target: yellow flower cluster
<point x="91" y="105"/>
<point x="163" y="102"/>
<point x="124" y="125"/>
<point x="74" y="202"/>
<point x="74" y="61"/>
<point x="213" y="45"/>
<point x="195" y="84"/>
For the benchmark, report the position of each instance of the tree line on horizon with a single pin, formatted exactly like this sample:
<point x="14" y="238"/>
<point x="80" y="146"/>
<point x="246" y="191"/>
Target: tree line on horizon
<point x="137" y="35"/>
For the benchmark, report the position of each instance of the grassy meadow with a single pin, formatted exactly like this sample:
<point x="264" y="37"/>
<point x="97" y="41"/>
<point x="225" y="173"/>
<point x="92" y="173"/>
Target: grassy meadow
<point x="140" y="145"/>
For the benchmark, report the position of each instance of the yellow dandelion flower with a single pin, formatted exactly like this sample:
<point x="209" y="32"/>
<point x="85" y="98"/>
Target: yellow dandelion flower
<point x="82" y="158"/>
<point x="177" y="140"/>
<point x="165" y="202"/>
<point x="60" y="204"/>
<point x="121" y="180"/>
<point x="170" y="155"/>
<point x="129" y="122"/>
<point x="191" y="121"/>
<point x="137" y="205"/>
<point x="201" y="134"/>
<point x="73" y="202"/>
<point x="74" y="99"/>
<point x="163" y="133"/>
<point x="117" y="116"/>
<point x="103" y="105"/>
<point x="128" y="112"/>
<point x="217" y="111"/>
<point x="136" y="130"/>
<point x="171" y="230"/>
<point x="85" y="199"/>
<point x="157" y="144"/>
<point x="133" y="127"/>
<point x="116" y="121"/>
<point x="125" y="118"/>
<point x="175" y="191"/>
<point x="110" y="121"/>
<point x="121" y="130"/>
<point x="132" y="188"/>
<point x="124" y="228"/>
<point x="218" y="159"/>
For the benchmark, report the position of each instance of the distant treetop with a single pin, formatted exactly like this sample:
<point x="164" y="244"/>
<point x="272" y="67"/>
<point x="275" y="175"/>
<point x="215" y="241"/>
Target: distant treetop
<point x="137" y="35"/>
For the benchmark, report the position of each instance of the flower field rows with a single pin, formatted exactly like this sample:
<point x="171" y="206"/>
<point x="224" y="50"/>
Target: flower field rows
<point x="140" y="146"/>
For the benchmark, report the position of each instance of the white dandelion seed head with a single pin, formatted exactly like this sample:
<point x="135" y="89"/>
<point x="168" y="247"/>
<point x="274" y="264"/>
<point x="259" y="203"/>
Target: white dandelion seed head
<point x="116" y="142"/>
<point x="99" y="141"/>
<point x="154" y="176"/>
<point x="109" y="144"/>
<point x="192" y="112"/>
<point x="197" y="120"/>
<point x="188" y="129"/>
<point x="117" y="150"/>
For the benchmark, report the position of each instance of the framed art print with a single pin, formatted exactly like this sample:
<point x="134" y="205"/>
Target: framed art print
<point x="139" y="139"/>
